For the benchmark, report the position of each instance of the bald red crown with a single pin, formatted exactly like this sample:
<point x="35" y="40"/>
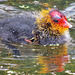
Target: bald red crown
<point x="59" y="18"/>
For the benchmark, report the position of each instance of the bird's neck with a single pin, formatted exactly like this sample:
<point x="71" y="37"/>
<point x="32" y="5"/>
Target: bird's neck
<point x="67" y="35"/>
<point x="51" y="30"/>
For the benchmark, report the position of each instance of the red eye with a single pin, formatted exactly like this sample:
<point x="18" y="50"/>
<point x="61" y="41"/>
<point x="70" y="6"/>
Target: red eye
<point x="56" y="21"/>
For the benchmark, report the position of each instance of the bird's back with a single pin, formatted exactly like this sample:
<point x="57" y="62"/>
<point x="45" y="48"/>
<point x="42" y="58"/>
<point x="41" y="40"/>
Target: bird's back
<point x="16" y="28"/>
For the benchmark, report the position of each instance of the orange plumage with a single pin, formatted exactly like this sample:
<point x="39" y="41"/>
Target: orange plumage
<point x="48" y="17"/>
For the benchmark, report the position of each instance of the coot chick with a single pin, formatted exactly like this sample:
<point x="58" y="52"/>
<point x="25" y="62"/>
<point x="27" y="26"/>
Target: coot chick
<point x="51" y="27"/>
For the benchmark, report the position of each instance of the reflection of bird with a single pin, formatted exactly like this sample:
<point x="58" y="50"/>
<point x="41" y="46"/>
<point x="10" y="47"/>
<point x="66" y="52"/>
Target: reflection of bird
<point x="51" y="27"/>
<point x="52" y="58"/>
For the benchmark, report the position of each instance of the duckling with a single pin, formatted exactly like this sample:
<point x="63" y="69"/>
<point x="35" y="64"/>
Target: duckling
<point x="50" y="27"/>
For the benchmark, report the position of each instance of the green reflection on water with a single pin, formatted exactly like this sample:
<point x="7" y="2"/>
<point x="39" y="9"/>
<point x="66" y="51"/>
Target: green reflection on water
<point x="36" y="59"/>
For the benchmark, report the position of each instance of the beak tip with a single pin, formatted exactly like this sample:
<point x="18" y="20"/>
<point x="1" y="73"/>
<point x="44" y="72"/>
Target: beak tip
<point x="70" y="26"/>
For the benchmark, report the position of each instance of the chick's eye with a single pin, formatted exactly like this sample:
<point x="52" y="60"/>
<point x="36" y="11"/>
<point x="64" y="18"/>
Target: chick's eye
<point x="61" y="16"/>
<point x="56" y="21"/>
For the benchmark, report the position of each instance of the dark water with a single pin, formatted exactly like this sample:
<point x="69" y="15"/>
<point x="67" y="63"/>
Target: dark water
<point x="38" y="59"/>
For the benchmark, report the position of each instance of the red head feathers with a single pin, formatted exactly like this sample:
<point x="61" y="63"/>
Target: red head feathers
<point x="59" y="18"/>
